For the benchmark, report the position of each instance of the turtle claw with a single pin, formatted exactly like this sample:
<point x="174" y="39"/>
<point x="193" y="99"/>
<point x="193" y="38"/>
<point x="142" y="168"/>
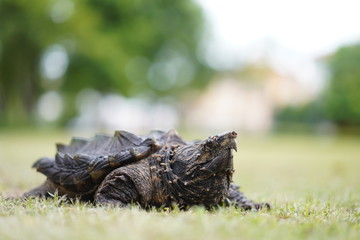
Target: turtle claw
<point x="262" y="206"/>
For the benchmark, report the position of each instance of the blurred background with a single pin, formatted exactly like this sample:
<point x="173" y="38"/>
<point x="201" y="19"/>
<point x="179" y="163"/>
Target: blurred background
<point x="195" y="65"/>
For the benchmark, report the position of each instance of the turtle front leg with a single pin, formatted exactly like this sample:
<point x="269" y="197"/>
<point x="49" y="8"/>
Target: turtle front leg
<point x="239" y="200"/>
<point x="117" y="190"/>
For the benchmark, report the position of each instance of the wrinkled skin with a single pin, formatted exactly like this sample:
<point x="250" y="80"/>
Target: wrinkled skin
<point x="160" y="169"/>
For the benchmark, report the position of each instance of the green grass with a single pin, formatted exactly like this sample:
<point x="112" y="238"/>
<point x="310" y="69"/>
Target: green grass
<point x="312" y="182"/>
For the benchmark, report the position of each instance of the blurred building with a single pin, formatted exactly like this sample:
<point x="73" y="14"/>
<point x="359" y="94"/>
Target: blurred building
<point x="245" y="101"/>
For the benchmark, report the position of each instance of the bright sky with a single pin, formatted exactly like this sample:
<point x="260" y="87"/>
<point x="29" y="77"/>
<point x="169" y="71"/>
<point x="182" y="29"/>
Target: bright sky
<point x="304" y="29"/>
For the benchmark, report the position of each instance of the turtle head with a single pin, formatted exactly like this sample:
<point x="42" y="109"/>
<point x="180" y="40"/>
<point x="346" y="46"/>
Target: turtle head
<point x="215" y="153"/>
<point x="205" y="159"/>
<point x="219" y="143"/>
<point x="205" y="169"/>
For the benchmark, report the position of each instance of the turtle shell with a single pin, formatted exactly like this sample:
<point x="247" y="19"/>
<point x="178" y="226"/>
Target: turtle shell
<point x="81" y="166"/>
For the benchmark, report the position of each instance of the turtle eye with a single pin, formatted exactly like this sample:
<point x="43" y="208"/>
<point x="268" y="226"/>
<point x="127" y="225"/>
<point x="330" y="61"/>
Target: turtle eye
<point x="214" y="138"/>
<point x="211" y="142"/>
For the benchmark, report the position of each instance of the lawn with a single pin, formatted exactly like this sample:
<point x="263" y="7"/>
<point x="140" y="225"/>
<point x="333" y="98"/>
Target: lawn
<point x="312" y="182"/>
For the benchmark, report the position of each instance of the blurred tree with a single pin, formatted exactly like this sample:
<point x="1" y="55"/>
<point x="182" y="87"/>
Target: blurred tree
<point x="342" y="96"/>
<point x="308" y="114"/>
<point x="339" y="102"/>
<point x="128" y="47"/>
<point x="20" y="50"/>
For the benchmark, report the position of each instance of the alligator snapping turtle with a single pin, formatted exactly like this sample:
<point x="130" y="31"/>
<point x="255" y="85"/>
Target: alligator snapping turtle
<point x="160" y="169"/>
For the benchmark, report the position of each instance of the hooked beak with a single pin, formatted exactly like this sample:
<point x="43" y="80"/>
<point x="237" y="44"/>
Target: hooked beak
<point x="231" y="136"/>
<point x="233" y="144"/>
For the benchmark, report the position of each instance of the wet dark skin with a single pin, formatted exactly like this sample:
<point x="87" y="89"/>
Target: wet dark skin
<point x="156" y="170"/>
